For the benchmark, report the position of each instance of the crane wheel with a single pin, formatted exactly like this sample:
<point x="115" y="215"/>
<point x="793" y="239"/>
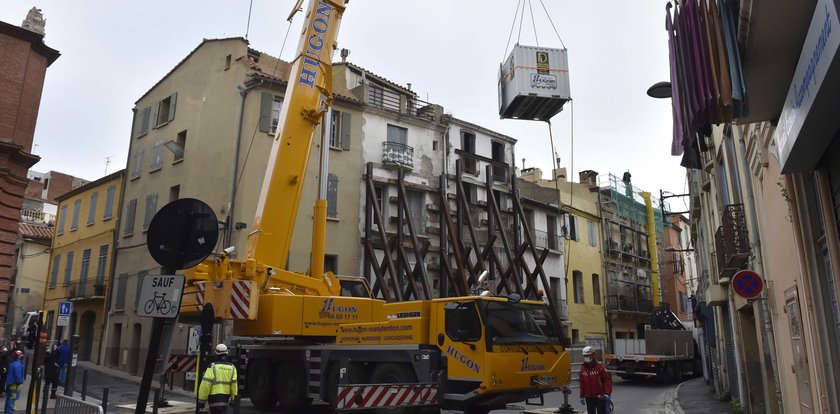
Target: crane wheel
<point x="390" y="373"/>
<point x="260" y="384"/>
<point x="290" y="385"/>
<point x="358" y="373"/>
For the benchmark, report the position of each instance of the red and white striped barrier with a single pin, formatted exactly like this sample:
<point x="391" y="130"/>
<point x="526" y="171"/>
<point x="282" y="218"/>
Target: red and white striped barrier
<point x="181" y="363"/>
<point x="359" y="396"/>
<point x="240" y="299"/>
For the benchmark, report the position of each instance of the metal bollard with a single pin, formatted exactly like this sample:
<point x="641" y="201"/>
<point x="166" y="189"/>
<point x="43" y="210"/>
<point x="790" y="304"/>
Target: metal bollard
<point x="104" y="400"/>
<point x="154" y="402"/>
<point x="84" y="384"/>
<point x="46" y="397"/>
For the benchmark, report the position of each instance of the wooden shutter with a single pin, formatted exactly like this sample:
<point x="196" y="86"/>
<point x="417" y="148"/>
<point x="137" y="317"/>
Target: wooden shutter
<point x="332" y="195"/>
<point x="265" y="111"/>
<point x="155" y="111"/>
<point x="130" y="211"/>
<point x="345" y="130"/>
<point x="109" y="202"/>
<point x="172" y="100"/>
<point x="94" y="199"/>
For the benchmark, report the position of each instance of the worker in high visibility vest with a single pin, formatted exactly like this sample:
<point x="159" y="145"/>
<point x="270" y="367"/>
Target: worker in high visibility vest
<point x="218" y="386"/>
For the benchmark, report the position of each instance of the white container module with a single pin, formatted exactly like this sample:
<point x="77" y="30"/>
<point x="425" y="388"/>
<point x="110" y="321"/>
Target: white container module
<point x="533" y="83"/>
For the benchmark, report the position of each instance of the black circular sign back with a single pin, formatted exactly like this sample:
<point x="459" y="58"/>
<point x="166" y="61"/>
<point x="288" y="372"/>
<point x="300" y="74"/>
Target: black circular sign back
<point x="182" y="234"/>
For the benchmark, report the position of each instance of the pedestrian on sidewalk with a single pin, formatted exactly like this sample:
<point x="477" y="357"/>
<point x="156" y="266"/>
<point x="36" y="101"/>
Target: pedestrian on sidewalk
<point x="14" y="380"/>
<point x="218" y="386"/>
<point x="51" y="369"/>
<point x="595" y="384"/>
<point x="4" y="367"/>
<point x="63" y="360"/>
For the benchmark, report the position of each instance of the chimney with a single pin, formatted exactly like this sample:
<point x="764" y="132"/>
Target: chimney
<point x="532" y="174"/>
<point x="589" y="177"/>
<point x="344" y="54"/>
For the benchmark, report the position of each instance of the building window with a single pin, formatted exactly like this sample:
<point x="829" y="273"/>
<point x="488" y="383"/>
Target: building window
<point x="119" y="302"/>
<point x="417" y="209"/>
<point x="165" y="110"/>
<point x="174" y="193"/>
<point x="332" y="196"/>
<point x="83" y="273"/>
<point x="180" y="147"/>
<point x="593" y="237"/>
<point x="575" y="336"/>
<point x="570" y="227"/>
<point x="109" y="202"/>
<point x="68" y="268"/>
<point x="130" y="211"/>
<point x="468" y="149"/>
<point x="270" y="107"/>
<point x="62" y="219"/>
<point x="151" y="209"/>
<point x="596" y="289"/>
<point x="499" y="165"/>
<point x="138" y="164"/>
<point x="54" y="272"/>
<point x="157" y="157"/>
<point x="143" y="121"/>
<point x="551" y="223"/>
<point x="683" y="302"/>
<point x="101" y="264"/>
<point x="397" y="134"/>
<point x="77" y="206"/>
<point x="227" y="62"/>
<point x="577" y="284"/>
<point x="340" y="130"/>
<point x="331" y="263"/>
<point x="381" y="193"/>
<point x="94" y="199"/>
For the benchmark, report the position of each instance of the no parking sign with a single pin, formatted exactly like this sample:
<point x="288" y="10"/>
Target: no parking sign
<point x="747" y="284"/>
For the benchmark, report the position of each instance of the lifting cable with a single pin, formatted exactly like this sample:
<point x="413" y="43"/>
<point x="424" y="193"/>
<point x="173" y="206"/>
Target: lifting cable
<point x="521" y="17"/>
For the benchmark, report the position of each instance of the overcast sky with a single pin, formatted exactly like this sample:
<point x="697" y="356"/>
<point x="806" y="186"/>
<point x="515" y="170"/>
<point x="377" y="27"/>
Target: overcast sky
<point x="449" y="50"/>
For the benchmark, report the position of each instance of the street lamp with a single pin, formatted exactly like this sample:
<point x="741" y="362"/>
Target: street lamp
<point x="660" y="90"/>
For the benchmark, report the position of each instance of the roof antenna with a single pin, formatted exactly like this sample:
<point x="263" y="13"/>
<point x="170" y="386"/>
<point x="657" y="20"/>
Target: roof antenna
<point x="248" y="26"/>
<point x="107" y="163"/>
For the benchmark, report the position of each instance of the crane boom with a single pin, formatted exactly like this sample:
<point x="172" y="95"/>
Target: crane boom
<point x="308" y="97"/>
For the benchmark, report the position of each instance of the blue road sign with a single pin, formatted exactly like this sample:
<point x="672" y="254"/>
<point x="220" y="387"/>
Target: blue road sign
<point x="747" y="284"/>
<point x="64" y="308"/>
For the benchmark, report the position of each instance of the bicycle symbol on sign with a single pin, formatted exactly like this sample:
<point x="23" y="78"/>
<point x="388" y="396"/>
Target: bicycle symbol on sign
<point x="158" y="303"/>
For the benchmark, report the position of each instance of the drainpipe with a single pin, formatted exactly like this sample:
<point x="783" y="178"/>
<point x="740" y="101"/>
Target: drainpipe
<point x="243" y="93"/>
<point x="764" y="310"/>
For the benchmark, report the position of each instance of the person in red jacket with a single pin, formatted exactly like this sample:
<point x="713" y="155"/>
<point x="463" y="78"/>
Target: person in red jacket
<point x="595" y="383"/>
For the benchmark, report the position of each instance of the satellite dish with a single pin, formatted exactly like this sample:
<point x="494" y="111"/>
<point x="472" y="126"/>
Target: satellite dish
<point x="182" y="234"/>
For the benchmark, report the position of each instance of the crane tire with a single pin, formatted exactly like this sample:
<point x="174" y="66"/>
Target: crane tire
<point x="260" y="384"/>
<point x="290" y="384"/>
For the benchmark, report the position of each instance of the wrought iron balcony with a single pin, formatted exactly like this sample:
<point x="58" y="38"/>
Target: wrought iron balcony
<point x="731" y="242"/>
<point x="394" y="153"/>
<point x="86" y="289"/>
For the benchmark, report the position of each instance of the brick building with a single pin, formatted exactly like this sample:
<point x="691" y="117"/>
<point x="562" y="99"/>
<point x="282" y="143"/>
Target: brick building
<point x="24" y="59"/>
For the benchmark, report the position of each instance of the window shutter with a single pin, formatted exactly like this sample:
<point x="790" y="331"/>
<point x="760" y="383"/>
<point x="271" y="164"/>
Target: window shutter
<point x="109" y="202"/>
<point x="68" y="268"/>
<point x="54" y="273"/>
<point x="77" y="205"/>
<point x="157" y="158"/>
<point x="155" y="111"/>
<point x="94" y="199"/>
<point x="265" y="111"/>
<point x="345" y="131"/>
<point x="172" y="101"/>
<point x="130" y="211"/>
<point x="140" y="276"/>
<point x="62" y="219"/>
<point x="119" y="303"/>
<point x="151" y="208"/>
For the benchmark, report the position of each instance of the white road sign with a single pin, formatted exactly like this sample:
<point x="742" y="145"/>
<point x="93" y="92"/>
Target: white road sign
<point x="160" y="296"/>
<point x="64" y="309"/>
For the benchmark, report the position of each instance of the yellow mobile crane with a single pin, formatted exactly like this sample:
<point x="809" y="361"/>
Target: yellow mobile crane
<point x="315" y="337"/>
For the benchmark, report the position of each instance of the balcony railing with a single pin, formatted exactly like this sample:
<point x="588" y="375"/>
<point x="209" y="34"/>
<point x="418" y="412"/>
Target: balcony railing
<point x="394" y="153"/>
<point x="86" y="289"/>
<point x="35" y="216"/>
<point x="731" y="242"/>
<point x="629" y="304"/>
<point x="403" y="104"/>
<point x="473" y="164"/>
<point x="543" y="239"/>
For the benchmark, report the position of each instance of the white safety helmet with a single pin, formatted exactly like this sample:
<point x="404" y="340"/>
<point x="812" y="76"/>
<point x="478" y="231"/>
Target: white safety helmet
<point x="588" y="351"/>
<point x="221" y="349"/>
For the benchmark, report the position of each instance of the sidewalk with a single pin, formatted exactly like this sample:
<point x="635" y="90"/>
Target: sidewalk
<point x="695" y="397"/>
<point x="122" y="389"/>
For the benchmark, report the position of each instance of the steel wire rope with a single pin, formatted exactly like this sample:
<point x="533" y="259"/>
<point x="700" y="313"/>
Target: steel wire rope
<point x="533" y="23"/>
<point x="512" y="26"/>
<point x="552" y="24"/>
